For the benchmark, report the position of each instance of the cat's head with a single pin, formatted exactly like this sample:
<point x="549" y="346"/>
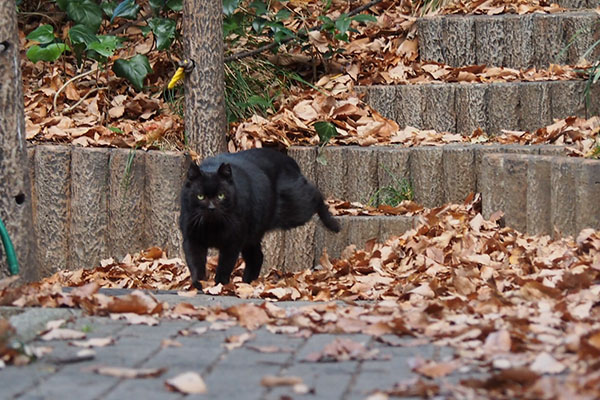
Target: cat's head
<point x="211" y="192"/>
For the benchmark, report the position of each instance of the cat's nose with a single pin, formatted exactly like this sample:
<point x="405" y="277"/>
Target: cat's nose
<point x="211" y="205"/>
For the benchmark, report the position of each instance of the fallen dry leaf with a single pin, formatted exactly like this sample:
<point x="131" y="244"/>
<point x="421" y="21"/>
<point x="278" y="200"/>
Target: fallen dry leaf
<point x="62" y="334"/>
<point x="94" y="342"/>
<point x="129" y="373"/>
<point x="188" y="383"/>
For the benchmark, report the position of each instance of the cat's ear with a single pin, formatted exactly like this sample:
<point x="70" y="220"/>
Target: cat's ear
<point x="194" y="171"/>
<point x="225" y="171"/>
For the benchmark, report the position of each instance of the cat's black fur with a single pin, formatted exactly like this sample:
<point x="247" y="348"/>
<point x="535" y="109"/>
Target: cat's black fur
<point x="231" y="200"/>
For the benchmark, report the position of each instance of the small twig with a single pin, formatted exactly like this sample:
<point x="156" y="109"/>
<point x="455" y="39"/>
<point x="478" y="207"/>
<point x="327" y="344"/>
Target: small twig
<point x="70" y="108"/>
<point x="67" y="84"/>
<point x="249" y="53"/>
<point x="37" y="14"/>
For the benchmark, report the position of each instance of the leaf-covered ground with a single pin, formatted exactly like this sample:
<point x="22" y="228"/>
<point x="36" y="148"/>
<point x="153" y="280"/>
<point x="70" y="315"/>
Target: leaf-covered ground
<point x="521" y="307"/>
<point x="90" y="106"/>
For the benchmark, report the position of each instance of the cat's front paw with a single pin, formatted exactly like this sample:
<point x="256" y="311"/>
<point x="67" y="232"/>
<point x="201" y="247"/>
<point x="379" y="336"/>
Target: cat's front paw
<point x="197" y="285"/>
<point x="222" y="279"/>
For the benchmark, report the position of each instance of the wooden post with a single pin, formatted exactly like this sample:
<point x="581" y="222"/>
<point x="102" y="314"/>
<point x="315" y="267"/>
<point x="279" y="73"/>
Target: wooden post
<point x="205" y="124"/>
<point x="15" y="189"/>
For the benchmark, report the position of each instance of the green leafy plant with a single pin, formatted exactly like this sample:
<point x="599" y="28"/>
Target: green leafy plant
<point x="326" y="131"/>
<point x="595" y="153"/>
<point x="393" y="194"/>
<point x="49" y="48"/>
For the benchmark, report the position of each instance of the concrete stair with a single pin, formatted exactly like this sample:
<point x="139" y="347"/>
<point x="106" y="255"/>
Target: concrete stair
<point x="464" y="107"/>
<point x="91" y="204"/>
<point x="515" y="41"/>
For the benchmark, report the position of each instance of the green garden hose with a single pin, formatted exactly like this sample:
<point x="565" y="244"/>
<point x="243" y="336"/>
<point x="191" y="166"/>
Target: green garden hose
<point x="11" y="257"/>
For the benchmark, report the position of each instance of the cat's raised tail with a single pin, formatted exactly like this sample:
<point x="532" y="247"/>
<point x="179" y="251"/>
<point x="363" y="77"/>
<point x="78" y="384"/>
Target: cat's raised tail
<point x="328" y="220"/>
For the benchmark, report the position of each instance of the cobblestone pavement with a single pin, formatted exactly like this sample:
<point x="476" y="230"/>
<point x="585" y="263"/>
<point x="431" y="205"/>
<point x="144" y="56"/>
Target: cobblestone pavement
<point x="228" y="374"/>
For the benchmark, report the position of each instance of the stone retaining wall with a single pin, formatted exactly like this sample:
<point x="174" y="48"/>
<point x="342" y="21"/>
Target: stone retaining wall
<point x="541" y="193"/>
<point x="508" y="40"/>
<point x="464" y="107"/>
<point x="87" y="207"/>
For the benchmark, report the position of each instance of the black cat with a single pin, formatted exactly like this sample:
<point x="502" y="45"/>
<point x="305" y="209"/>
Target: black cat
<point x="231" y="200"/>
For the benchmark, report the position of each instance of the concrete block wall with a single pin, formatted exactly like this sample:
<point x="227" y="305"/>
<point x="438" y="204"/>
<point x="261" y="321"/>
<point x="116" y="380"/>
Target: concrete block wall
<point x="541" y="193"/>
<point x="464" y="107"/>
<point x="91" y="204"/>
<point x="509" y="40"/>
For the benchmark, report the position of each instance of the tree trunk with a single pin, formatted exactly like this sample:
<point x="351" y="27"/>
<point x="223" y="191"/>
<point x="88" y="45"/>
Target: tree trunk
<point x="15" y="190"/>
<point x="205" y="124"/>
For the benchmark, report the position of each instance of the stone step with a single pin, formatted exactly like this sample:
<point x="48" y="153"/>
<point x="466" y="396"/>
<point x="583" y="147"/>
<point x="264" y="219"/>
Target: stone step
<point x="579" y="4"/>
<point x="541" y="193"/>
<point x="508" y="40"/>
<point x="91" y="204"/>
<point x="464" y="107"/>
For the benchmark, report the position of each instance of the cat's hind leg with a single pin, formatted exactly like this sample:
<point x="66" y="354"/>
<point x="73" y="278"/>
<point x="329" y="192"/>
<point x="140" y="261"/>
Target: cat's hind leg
<point x="227" y="258"/>
<point x="195" y="256"/>
<point x="253" y="257"/>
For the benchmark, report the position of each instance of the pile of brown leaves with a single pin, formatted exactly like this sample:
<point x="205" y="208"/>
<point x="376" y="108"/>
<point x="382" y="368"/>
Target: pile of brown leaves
<point x="494" y="7"/>
<point x="516" y="305"/>
<point x="96" y="108"/>
<point x="358" y="123"/>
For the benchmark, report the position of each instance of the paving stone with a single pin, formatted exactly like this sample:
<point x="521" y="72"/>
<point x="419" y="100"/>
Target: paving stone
<point x="51" y="207"/>
<point x="548" y="31"/>
<point x="382" y="98"/>
<point x="306" y="157"/>
<point x="331" y="177"/>
<point x="573" y="3"/>
<point x="88" y="241"/>
<point x="361" y="177"/>
<point x="430" y="34"/>
<point x="147" y="389"/>
<point x="126" y="204"/>
<point x="538" y="195"/>
<point x="471" y="107"/>
<point x="515" y="190"/>
<point x="563" y="190"/>
<point x="579" y="34"/>
<point x="299" y="246"/>
<point x="553" y="150"/>
<point x="273" y="250"/>
<point x="317" y="342"/>
<point x="246" y="381"/>
<point x="410" y="105"/>
<point x="588" y="195"/>
<point x="567" y="99"/>
<point x="459" y="39"/>
<point x="73" y="383"/>
<point x="393" y="169"/>
<point x="333" y="242"/>
<point x="490" y="40"/>
<point x="327" y="381"/>
<point x="395" y="226"/>
<point x="459" y="172"/>
<point x="503" y="107"/>
<point x="164" y="176"/>
<point x="29" y="323"/>
<point x="17" y="380"/>
<point x="534" y="100"/>
<point x="362" y="229"/>
<point x="492" y="184"/>
<point x="518" y="31"/>
<point x="427" y="175"/>
<point x="593" y="101"/>
<point x="439" y="107"/>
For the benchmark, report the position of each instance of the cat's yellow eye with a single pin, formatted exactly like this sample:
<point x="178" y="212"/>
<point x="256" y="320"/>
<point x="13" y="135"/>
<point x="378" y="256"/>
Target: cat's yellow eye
<point x="221" y="196"/>
<point x="201" y="197"/>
